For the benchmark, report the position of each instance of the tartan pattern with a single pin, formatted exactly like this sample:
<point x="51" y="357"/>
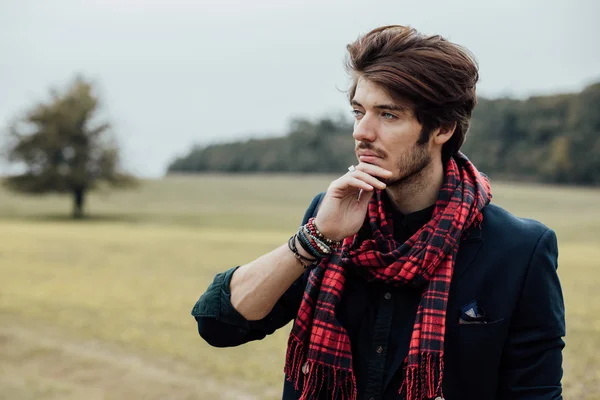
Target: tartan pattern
<point x="319" y="346"/>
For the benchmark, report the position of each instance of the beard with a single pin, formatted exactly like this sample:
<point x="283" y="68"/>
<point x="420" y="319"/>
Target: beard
<point x="410" y="166"/>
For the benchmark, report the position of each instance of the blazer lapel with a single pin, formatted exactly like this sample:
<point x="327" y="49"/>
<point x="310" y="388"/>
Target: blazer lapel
<point x="468" y="249"/>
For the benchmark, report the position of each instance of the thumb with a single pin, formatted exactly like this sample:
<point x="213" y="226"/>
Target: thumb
<point x="365" y="197"/>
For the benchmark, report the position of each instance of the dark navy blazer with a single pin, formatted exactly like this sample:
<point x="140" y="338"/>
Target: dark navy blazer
<point x="508" y="265"/>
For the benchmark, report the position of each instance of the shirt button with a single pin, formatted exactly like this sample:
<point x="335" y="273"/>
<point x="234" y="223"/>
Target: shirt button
<point x="379" y="349"/>
<point x="387" y="296"/>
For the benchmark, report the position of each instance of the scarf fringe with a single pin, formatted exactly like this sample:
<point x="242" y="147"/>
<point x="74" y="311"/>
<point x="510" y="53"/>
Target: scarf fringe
<point x="315" y="374"/>
<point x="424" y="381"/>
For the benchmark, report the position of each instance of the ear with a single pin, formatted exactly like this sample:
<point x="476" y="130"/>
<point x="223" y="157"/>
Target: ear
<point x="442" y="134"/>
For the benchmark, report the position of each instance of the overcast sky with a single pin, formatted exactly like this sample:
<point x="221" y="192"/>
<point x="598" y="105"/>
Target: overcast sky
<point x="173" y="73"/>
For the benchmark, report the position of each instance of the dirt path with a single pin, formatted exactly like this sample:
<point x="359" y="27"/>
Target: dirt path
<point x="38" y="363"/>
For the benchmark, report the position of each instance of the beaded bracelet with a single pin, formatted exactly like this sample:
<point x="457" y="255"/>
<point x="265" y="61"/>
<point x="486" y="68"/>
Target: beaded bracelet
<point x="322" y="248"/>
<point x="312" y="227"/>
<point x="306" y="244"/>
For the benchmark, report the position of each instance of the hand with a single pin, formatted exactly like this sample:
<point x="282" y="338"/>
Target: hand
<point x="343" y="209"/>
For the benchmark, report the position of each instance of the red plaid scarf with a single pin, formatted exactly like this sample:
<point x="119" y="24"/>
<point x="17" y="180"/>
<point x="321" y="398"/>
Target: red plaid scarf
<point x="319" y="346"/>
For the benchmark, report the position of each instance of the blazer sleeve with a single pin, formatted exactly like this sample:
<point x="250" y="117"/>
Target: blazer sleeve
<point x="532" y="362"/>
<point x="221" y="325"/>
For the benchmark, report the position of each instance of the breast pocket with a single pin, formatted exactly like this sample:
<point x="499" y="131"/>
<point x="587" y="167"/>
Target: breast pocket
<point x="477" y="349"/>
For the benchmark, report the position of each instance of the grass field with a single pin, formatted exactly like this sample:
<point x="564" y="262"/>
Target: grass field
<point x="100" y="308"/>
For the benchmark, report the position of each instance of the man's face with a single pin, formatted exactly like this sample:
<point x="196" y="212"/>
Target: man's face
<point x="388" y="134"/>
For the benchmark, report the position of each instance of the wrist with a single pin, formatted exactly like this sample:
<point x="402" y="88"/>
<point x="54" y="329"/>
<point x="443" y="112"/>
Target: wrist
<point x="332" y="240"/>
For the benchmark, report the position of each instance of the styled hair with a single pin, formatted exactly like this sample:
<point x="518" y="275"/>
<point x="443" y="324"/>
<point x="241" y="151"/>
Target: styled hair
<point x="435" y="77"/>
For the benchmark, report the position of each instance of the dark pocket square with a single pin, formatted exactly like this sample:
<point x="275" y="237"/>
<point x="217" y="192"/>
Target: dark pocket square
<point x="471" y="313"/>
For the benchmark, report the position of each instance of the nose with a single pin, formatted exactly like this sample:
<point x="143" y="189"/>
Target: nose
<point x="365" y="129"/>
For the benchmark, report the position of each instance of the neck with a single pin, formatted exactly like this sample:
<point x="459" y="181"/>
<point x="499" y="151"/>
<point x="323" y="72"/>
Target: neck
<point x="419" y="191"/>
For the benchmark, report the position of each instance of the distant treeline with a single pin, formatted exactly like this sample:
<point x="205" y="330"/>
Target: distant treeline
<point x="553" y="139"/>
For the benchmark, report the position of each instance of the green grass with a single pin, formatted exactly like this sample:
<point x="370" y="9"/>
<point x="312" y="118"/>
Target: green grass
<point x="131" y="273"/>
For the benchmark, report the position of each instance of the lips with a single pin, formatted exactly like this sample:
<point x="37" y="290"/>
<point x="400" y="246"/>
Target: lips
<point x="368" y="157"/>
<point x="368" y="154"/>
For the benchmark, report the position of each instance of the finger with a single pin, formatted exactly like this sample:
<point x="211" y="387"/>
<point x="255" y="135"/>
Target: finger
<point x="374" y="170"/>
<point x="364" y="197"/>
<point x="354" y="182"/>
<point x="371" y="180"/>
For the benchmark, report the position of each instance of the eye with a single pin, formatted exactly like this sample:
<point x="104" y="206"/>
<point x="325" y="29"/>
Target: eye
<point x="357" y="113"/>
<point x="388" y="116"/>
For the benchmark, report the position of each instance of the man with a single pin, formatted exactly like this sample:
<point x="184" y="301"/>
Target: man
<point x="404" y="281"/>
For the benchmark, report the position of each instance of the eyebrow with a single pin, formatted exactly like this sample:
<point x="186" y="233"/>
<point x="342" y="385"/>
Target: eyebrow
<point x="389" y="107"/>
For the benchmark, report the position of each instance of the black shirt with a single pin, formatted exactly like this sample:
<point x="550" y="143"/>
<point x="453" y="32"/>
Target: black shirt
<point x="376" y="321"/>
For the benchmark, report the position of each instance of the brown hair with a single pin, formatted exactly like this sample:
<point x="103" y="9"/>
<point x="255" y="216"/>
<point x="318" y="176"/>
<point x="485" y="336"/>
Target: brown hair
<point x="435" y="76"/>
